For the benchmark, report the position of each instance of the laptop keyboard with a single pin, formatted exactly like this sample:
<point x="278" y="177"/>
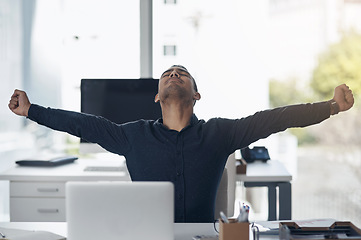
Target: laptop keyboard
<point x="104" y="169"/>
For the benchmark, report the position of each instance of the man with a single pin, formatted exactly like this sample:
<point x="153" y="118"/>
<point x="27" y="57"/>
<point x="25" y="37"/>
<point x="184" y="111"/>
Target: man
<point x="179" y="148"/>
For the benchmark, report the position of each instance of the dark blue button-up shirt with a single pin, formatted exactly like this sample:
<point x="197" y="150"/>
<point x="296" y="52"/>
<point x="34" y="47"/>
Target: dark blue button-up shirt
<point x="192" y="159"/>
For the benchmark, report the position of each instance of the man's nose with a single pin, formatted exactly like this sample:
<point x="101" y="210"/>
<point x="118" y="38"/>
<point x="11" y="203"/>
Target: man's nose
<point x="174" y="74"/>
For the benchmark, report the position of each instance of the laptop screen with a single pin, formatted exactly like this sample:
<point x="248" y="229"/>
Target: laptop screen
<point x="120" y="210"/>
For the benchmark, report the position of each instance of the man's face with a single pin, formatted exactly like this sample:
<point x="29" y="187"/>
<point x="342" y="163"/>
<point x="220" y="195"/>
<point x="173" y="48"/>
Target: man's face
<point x="176" y="74"/>
<point x="176" y="82"/>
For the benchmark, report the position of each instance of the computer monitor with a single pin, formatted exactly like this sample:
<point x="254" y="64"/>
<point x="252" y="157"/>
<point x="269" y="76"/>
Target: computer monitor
<point x="120" y="101"/>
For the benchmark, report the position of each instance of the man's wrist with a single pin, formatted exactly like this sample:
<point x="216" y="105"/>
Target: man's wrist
<point x="26" y="112"/>
<point x="334" y="107"/>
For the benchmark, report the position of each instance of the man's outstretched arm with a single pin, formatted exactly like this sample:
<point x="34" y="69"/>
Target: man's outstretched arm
<point x="264" y="123"/>
<point x="92" y="128"/>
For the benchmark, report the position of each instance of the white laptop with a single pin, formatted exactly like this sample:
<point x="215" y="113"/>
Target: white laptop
<point x="120" y="210"/>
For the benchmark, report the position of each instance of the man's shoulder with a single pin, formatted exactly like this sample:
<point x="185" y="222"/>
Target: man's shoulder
<point x="141" y="122"/>
<point x="219" y="120"/>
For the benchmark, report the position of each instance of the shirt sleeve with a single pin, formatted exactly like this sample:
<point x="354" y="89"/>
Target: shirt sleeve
<point x="91" y="128"/>
<point x="247" y="130"/>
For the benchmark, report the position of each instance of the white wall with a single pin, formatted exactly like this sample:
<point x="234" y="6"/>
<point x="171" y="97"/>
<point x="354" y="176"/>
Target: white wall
<point x="221" y="43"/>
<point x="10" y="60"/>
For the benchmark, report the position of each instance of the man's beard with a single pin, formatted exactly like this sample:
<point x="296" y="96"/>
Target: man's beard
<point x="176" y="92"/>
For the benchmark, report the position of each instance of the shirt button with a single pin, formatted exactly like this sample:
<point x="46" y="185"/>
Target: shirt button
<point x="179" y="174"/>
<point x="180" y="196"/>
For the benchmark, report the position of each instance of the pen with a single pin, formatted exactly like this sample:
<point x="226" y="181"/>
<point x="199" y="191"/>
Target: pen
<point x="2" y="235"/>
<point x="223" y="216"/>
<point x="243" y="213"/>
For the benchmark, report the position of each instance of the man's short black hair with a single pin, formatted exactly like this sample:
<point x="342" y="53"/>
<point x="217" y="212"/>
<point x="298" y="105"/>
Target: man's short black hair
<point x="194" y="81"/>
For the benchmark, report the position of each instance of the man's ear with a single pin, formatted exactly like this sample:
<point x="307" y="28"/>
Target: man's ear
<point x="197" y="96"/>
<point x="156" y="98"/>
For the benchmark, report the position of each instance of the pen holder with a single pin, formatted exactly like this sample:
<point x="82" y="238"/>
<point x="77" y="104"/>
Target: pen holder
<point x="233" y="230"/>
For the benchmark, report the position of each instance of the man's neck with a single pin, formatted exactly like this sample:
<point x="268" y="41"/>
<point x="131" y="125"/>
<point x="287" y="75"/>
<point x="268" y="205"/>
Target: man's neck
<point x="176" y="117"/>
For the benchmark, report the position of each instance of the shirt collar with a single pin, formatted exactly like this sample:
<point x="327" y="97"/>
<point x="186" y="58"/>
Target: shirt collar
<point x="192" y="122"/>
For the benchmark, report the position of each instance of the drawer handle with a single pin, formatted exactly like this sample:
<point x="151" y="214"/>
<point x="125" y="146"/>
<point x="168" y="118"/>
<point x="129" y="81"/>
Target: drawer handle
<point x="48" y="190"/>
<point x="47" y="210"/>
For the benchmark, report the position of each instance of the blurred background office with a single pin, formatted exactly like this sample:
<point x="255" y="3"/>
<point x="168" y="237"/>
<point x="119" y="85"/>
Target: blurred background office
<point x="245" y="56"/>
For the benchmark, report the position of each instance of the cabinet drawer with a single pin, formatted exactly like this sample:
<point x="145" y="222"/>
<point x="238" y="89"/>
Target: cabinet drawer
<point x="37" y="209"/>
<point x="37" y="189"/>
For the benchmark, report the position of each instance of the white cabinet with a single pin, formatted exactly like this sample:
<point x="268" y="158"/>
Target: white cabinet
<point x="37" y="194"/>
<point x="37" y="201"/>
<point x="37" y="209"/>
<point x="37" y="189"/>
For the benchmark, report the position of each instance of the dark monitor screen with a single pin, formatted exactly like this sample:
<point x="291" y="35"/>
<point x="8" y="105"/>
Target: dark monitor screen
<point x="120" y="100"/>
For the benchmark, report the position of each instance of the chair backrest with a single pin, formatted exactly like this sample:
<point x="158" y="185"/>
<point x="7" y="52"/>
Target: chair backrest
<point x="231" y="171"/>
<point x="226" y="193"/>
<point x="222" y="196"/>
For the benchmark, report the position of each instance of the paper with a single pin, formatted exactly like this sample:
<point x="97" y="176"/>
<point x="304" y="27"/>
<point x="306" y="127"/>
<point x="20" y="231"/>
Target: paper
<point x="17" y="234"/>
<point x="316" y="223"/>
<point x="327" y="222"/>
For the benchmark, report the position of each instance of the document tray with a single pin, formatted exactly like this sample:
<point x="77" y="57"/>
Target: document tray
<point x="338" y="230"/>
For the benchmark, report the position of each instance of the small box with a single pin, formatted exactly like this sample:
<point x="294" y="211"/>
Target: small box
<point x="241" y="166"/>
<point x="233" y="230"/>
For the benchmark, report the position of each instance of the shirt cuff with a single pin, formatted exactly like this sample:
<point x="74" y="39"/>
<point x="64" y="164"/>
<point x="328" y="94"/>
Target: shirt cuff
<point x="34" y="111"/>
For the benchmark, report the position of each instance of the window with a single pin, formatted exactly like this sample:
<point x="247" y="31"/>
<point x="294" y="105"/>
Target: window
<point x="101" y="41"/>
<point x="170" y="1"/>
<point x="170" y="50"/>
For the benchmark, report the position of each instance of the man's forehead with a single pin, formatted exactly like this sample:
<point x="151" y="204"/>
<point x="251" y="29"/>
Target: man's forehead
<point x="176" y="67"/>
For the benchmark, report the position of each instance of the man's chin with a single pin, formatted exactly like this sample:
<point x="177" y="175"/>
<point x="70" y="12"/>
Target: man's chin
<point x="174" y="88"/>
<point x="175" y="91"/>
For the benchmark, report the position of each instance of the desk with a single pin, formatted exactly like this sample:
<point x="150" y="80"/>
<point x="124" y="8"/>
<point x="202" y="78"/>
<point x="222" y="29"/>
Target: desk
<point x="271" y="174"/>
<point x="37" y="194"/>
<point x="182" y="231"/>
